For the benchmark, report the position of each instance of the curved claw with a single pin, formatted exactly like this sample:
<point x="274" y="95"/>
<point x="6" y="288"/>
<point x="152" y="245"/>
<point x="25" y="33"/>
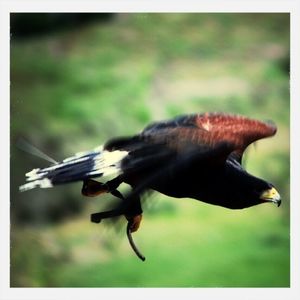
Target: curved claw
<point x="132" y="244"/>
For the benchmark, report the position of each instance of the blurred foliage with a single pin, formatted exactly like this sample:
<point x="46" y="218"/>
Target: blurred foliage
<point x="26" y="25"/>
<point x="75" y="84"/>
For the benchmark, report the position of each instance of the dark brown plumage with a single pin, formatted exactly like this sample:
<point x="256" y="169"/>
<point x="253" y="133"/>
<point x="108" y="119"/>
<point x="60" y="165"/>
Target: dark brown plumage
<point x="196" y="156"/>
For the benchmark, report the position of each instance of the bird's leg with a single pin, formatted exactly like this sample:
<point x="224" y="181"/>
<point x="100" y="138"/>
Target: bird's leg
<point x="97" y="217"/>
<point x="113" y="184"/>
<point x="133" y="213"/>
<point x="134" y="222"/>
<point x="132" y="210"/>
<point x="92" y="188"/>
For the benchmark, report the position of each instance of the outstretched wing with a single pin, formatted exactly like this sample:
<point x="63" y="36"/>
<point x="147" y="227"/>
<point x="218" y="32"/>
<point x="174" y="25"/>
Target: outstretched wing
<point x="200" y="138"/>
<point x="209" y="131"/>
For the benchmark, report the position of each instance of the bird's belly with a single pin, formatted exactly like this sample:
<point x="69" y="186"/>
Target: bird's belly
<point x="206" y="187"/>
<point x="184" y="187"/>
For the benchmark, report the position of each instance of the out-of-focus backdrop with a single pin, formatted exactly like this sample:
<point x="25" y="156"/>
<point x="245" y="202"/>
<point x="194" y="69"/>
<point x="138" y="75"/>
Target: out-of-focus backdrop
<point x="79" y="79"/>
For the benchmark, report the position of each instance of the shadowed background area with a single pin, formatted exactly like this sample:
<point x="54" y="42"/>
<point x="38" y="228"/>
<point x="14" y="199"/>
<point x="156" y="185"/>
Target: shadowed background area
<point x="78" y="80"/>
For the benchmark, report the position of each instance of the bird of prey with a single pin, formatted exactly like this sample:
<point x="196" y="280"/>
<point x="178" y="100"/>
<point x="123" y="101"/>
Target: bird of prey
<point x="195" y="156"/>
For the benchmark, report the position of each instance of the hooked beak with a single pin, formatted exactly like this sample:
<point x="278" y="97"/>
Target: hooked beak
<point x="271" y="195"/>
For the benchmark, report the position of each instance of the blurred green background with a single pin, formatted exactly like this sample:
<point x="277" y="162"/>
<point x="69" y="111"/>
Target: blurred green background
<point x="79" y="79"/>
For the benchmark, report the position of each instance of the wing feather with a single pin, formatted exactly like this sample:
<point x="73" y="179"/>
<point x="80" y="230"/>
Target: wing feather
<point x="238" y="130"/>
<point x="209" y="130"/>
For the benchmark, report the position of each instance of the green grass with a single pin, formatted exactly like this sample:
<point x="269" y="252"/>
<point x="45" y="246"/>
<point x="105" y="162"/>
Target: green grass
<point x="196" y="246"/>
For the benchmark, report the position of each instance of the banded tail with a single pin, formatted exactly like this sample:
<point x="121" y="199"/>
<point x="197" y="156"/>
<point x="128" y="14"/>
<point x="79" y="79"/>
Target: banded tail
<point x="83" y="165"/>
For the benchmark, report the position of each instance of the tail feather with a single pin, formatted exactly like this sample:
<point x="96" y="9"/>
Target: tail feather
<point x="81" y="166"/>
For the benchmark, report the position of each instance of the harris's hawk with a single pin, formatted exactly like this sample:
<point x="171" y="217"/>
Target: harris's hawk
<point x="197" y="156"/>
